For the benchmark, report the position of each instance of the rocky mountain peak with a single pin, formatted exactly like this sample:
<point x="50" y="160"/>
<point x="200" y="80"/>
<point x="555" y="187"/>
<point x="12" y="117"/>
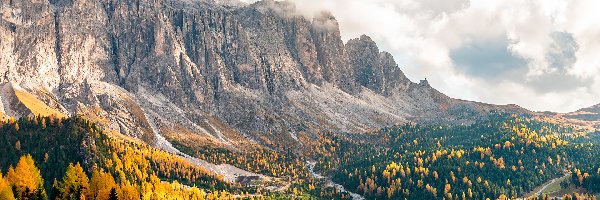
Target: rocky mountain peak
<point x="172" y="68"/>
<point x="424" y="83"/>
<point x="373" y="69"/>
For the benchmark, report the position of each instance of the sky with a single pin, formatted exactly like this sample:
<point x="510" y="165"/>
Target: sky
<point x="543" y="55"/>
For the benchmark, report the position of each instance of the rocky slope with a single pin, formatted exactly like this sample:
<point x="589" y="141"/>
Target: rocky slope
<point x="223" y="74"/>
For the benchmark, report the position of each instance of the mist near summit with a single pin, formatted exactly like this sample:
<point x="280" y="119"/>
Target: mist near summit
<point x="538" y="54"/>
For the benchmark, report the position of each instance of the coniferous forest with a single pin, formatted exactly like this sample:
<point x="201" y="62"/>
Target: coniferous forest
<point x="504" y="157"/>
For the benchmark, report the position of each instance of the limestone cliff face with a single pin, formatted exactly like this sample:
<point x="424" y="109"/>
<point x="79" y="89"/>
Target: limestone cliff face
<point x="374" y="70"/>
<point x="221" y="72"/>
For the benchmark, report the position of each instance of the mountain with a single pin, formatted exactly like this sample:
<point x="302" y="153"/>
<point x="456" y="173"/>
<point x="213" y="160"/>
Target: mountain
<point x="218" y="72"/>
<point x="595" y="109"/>
<point x="198" y="77"/>
<point x="588" y="117"/>
<point x="251" y="101"/>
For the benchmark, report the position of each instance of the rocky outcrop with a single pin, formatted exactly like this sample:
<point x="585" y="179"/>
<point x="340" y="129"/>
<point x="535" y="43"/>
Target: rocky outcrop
<point x="372" y="69"/>
<point x="219" y="72"/>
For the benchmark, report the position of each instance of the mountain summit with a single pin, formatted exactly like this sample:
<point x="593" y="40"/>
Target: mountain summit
<point x="205" y="72"/>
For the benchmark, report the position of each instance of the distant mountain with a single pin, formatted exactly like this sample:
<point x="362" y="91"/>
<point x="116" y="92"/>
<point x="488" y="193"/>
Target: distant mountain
<point x="592" y="109"/>
<point x="206" y="74"/>
<point x="584" y="119"/>
<point x="589" y="116"/>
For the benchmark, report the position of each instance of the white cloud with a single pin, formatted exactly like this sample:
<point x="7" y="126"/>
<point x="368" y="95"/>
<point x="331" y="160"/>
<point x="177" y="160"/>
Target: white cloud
<point x="422" y="34"/>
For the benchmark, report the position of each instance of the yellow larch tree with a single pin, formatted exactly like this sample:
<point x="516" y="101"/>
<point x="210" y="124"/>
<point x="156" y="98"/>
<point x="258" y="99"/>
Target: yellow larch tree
<point x="26" y="177"/>
<point x="75" y="183"/>
<point x="5" y="190"/>
<point x="101" y="184"/>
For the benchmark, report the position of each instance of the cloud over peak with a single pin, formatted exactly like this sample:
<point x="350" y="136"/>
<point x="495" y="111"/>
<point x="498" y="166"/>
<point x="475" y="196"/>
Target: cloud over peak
<point x="540" y="54"/>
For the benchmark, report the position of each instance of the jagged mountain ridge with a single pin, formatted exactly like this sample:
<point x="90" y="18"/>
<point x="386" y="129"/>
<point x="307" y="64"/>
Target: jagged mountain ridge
<point x="212" y="74"/>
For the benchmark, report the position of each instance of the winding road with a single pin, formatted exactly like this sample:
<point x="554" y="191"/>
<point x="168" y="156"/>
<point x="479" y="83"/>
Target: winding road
<point x="539" y="192"/>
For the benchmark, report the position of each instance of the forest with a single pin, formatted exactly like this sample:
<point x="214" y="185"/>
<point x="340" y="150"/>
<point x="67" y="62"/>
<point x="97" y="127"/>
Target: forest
<point x="503" y="157"/>
<point x="72" y="158"/>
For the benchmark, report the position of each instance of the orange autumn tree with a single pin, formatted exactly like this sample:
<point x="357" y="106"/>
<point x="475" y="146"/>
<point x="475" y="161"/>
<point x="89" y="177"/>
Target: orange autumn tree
<point x="26" y="178"/>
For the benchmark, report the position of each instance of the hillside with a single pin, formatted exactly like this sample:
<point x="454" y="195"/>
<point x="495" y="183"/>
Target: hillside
<point x="18" y="102"/>
<point x="133" y="168"/>
<point x="591" y="114"/>
<point x="586" y="119"/>
<point x="506" y="156"/>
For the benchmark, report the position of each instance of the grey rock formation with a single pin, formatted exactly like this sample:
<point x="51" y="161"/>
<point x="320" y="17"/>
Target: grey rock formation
<point x="224" y="72"/>
<point x="372" y="69"/>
